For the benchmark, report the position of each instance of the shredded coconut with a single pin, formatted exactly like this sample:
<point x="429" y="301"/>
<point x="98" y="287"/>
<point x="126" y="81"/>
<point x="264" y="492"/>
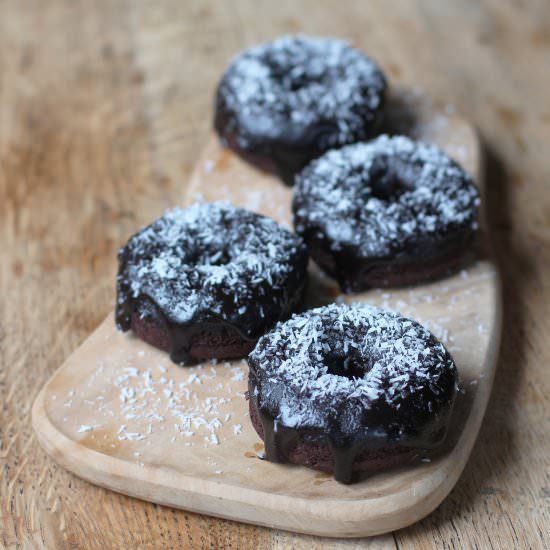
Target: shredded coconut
<point x="332" y="364"/>
<point x="384" y="197"/>
<point x="212" y="258"/>
<point x="298" y="82"/>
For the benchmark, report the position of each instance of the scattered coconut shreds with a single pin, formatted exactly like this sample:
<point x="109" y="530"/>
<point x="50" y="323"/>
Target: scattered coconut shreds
<point x="161" y="401"/>
<point x="238" y="374"/>
<point x="84" y="428"/>
<point x="152" y="402"/>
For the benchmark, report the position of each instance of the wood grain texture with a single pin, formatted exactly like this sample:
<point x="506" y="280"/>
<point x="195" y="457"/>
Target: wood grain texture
<point x="104" y="107"/>
<point x="112" y="414"/>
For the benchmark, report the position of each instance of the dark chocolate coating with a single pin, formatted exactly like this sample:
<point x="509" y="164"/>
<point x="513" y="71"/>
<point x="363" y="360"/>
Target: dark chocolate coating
<point x="207" y="281"/>
<point x="350" y="388"/>
<point x="318" y="455"/>
<point x="188" y="344"/>
<point x="356" y="274"/>
<point x="389" y="212"/>
<point x="280" y="105"/>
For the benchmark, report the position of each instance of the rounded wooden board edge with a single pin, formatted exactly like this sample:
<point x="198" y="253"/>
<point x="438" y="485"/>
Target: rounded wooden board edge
<point x="326" y="518"/>
<point x="355" y="520"/>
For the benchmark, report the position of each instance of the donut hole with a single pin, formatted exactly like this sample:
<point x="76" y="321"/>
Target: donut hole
<point x="345" y="365"/>
<point x="295" y="81"/>
<point x="222" y="257"/>
<point x="390" y="180"/>
<point x="295" y="77"/>
<point x="210" y="258"/>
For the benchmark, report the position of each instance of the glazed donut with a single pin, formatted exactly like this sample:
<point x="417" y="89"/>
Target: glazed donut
<point x="281" y="104"/>
<point x="207" y="281"/>
<point x="388" y="212"/>
<point x="345" y="388"/>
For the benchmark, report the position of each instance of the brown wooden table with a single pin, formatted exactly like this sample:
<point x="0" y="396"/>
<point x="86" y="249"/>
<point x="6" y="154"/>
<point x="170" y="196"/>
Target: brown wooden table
<point x="105" y="105"/>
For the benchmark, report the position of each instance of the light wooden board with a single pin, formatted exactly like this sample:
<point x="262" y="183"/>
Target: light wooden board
<point x="115" y="412"/>
<point x="107" y="122"/>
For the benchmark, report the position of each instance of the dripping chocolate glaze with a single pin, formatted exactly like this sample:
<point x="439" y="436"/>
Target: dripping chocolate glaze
<point x="180" y="340"/>
<point x="211" y="271"/>
<point x="355" y="274"/>
<point x="280" y="440"/>
<point x="406" y="404"/>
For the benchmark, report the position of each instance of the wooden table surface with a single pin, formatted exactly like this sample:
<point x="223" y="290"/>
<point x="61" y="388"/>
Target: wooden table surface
<point x="105" y="105"/>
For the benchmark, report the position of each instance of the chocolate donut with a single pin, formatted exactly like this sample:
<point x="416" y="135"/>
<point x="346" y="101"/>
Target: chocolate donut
<point x="207" y="281"/>
<point x="388" y="212"/>
<point x="281" y="104"/>
<point x="345" y="388"/>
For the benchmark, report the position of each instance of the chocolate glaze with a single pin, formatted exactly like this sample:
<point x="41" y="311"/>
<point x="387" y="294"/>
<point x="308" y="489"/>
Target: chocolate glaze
<point x="316" y="453"/>
<point x="207" y="281"/>
<point x="381" y="430"/>
<point x="185" y="343"/>
<point x="348" y="455"/>
<point x="355" y="274"/>
<point x="281" y="104"/>
<point x="389" y="212"/>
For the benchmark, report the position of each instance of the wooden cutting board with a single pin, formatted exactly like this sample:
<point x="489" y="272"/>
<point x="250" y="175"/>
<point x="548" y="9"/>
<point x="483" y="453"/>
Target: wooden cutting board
<point x="119" y="414"/>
